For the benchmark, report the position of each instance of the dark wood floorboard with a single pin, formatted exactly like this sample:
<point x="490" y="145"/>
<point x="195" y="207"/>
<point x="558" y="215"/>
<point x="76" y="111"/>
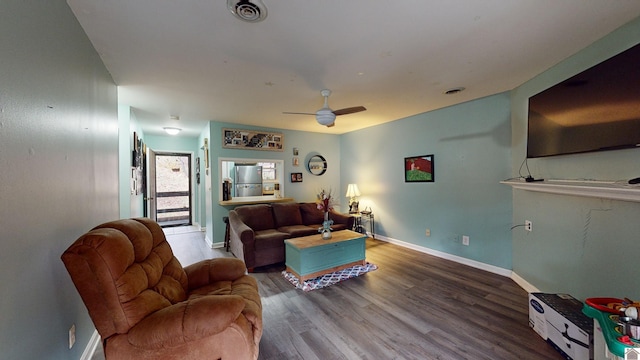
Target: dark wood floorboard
<point x="415" y="306"/>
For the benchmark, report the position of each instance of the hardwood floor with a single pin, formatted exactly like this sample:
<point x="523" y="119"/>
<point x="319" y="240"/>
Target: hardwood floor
<point x="415" y="306"/>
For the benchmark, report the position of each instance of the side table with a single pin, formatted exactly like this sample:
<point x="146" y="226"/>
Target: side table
<point x="225" y="219"/>
<point x="357" y="223"/>
<point x="369" y="216"/>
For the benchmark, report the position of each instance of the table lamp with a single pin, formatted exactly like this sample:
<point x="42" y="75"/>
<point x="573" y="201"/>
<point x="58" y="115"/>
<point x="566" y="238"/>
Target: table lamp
<point x="352" y="194"/>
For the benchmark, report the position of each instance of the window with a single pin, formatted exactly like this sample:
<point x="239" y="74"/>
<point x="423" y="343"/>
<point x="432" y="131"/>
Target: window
<point x="268" y="170"/>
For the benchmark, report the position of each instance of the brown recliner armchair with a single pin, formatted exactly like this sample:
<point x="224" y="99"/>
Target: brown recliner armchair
<point x="145" y="305"/>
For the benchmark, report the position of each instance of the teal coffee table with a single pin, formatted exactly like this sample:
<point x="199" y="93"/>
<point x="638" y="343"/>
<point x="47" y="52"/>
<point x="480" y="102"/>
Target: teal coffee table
<point x="310" y="256"/>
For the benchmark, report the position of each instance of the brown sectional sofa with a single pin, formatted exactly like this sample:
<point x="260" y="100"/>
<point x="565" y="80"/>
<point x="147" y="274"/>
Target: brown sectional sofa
<point x="257" y="232"/>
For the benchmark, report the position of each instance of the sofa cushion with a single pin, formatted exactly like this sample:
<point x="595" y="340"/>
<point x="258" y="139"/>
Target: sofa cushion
<point x="334" y="227"/>
<point x="270" y="238"/>
<point x="311" y="214"/>
<point x="299" y="230"/>
<point x="257" y="217"/>
<point x="338" y="227"/>
<point x="286" y="214"/>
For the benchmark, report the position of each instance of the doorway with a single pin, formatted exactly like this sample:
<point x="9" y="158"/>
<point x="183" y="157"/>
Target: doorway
<point x="173" y="189"/>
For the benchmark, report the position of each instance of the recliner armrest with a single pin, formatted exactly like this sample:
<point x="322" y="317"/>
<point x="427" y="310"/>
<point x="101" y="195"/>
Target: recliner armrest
<point x="186" y="321"/>
<point x="208" y="271"/>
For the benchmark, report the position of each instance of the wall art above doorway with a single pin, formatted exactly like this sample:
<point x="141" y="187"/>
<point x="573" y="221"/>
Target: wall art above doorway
<point x="252" y="140"/>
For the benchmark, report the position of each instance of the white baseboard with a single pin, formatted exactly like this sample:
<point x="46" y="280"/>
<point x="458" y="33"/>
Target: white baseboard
<point x="459" y="259"/>
<point x="213" y="245"/>
<point x="208" y="241"/>
<point x="88" y="352"/>
<point x="523" y="283"/>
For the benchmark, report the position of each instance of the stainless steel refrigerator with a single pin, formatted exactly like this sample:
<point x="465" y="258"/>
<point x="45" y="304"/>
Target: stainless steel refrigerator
<point x="248" y="180"/>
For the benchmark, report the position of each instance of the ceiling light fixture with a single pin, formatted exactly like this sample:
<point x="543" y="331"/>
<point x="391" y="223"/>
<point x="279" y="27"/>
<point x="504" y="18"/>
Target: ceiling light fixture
<point x="249" y="11"/>
<point x="325" y="117"/>
<point x="454" y="91"/>
<point x="172" y="130"/>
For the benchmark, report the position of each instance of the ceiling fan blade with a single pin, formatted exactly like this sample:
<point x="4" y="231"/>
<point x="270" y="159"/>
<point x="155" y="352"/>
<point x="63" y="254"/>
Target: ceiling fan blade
<point x="297" y="113"/>
<point x="350" y="110"/>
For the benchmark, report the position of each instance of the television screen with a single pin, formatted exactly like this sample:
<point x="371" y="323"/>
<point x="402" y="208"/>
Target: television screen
<point x="595" y="110"/>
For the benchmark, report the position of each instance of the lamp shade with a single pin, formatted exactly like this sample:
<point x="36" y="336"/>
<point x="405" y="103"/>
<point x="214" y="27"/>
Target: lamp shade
<point x="352" y="191"/>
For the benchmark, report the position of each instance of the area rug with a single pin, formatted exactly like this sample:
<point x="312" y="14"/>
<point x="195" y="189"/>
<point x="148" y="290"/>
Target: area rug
<point x="329" y="279"/>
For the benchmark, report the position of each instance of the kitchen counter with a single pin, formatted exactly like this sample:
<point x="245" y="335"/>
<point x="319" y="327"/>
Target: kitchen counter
<point x="247" y="200"/>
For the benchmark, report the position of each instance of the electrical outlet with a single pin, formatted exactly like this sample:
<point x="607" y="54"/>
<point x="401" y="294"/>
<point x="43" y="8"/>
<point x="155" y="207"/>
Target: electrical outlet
<point x="465" y="240"/>
<point x="428" y="232"/>
<point x="528" y="225"/>
<point x="72" y="335"/>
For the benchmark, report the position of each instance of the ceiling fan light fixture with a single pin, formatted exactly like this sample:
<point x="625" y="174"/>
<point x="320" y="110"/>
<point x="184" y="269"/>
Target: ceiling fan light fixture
<point x="249" y="11"/>
<point x="325" y="117"/>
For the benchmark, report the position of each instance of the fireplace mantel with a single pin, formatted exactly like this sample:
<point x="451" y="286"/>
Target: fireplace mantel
<point x="600" y="189"/>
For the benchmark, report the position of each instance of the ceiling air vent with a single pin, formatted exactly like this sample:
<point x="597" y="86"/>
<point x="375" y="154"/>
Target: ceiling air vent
<point x="249" y="11"/>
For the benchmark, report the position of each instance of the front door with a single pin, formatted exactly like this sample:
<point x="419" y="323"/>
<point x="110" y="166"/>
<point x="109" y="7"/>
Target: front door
<point x="173" y="189"/>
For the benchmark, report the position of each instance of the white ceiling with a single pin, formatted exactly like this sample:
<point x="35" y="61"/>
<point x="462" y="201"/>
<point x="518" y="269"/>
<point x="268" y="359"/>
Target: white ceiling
<point x="194" y="59"/>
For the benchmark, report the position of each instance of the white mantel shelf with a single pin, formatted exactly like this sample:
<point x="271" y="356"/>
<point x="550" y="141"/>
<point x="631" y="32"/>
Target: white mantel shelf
<point x="599" y="189"/>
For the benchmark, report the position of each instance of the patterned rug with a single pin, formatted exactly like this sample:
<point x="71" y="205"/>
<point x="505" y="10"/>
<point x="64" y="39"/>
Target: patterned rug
<point x="329" y="279"/>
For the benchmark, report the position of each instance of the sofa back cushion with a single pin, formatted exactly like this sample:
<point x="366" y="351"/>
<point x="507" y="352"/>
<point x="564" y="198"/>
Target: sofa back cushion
<point x="311" y="215"/>
<point x="125" y="270"/>
<point x="257" y="217"/>
<point x="286" y="214"/>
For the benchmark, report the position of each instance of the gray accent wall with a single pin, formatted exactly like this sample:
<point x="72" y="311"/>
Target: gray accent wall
<point x="58" y="172"/>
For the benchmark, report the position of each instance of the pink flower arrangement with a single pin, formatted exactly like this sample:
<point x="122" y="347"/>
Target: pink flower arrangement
<point x="324" y="201"/>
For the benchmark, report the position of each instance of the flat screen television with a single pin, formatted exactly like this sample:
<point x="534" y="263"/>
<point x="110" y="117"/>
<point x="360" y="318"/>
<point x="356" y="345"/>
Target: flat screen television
<point x="595" y="110"/>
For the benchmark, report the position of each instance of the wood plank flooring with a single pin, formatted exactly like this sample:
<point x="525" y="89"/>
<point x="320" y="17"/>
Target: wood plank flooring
<point x="415" y="306"/>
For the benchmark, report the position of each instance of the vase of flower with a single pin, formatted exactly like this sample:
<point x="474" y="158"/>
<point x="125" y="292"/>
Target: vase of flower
<point x="326" y="226"/>
<point x="324" y="204"/>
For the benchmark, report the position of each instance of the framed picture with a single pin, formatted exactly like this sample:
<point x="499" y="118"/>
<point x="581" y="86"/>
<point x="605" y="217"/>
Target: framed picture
<point x="136" y="152"/>
<point x="419" y="169"/>
<point x="206" y="154"/>
<point x="252" y="140"/>
<point x="198" y="170"/>
<point x="296" y="177"/>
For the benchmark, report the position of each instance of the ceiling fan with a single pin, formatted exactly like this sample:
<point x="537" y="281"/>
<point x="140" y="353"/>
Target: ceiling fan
<point x="325" y="116"/>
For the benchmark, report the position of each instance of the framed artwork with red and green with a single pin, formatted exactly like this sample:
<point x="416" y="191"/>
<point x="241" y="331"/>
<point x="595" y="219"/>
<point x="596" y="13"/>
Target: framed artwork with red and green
<point x="419" y="169"/>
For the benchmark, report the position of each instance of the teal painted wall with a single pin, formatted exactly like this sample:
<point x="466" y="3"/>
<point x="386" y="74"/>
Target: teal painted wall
<point x="583" y="246"/>
<point x="59" y="178"/>
<point x="307" y="143"/>
<point x="125" y="144"/>
<point x="131" y="204"/>
<point x="471" y="145"/>
<point x="168" y="143"/>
